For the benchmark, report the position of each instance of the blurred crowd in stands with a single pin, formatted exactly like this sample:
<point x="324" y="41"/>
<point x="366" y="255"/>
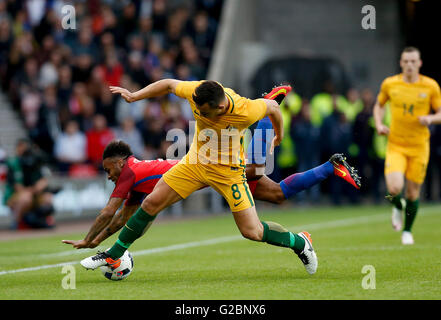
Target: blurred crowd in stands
<point x="58" y="80"/>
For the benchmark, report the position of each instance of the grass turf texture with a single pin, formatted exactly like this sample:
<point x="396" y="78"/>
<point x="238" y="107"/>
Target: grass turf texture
<point x="230" y="267"/>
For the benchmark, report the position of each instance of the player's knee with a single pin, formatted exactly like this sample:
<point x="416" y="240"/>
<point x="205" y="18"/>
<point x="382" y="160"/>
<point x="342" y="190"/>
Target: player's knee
<point x="25" y="197"/>
<point x="254" y="234"/>
<point x="279" y="197"/>
<point x="394" y="190"/>
<point x="151" y="205"/>
<point x="412" y="195"/>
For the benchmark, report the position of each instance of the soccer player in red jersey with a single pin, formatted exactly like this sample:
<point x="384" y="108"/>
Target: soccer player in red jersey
<point x="134" y="179"/>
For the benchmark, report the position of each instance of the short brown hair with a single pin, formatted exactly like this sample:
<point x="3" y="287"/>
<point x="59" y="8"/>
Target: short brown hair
<point x="412" y="49"/>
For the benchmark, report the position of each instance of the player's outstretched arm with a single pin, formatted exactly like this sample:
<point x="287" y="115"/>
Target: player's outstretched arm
<point x="379" y="112"/>
<point x="118" y="221"/>
<point x="101" y="221"/>
<point x="273" y="112"/>
<point x="155" y="89"/>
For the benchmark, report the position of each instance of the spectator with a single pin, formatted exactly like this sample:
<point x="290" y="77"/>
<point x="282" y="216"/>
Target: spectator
<point x="130" y="134"/>
<point x="307" y="142"/>
<point x="97" y="139"/>
<point x="336" y="137"/>
<point x="128" y="20"/>
<point x="212" y="7"/>
<point x="152" y="129"/>
<point x="64" y="88"/>
<point x="106" y="105"/>
<point x="352" y="105"/>
<point x="85" y="45"/>
<point x="5" y="46"/>
<point x="86" y="118"/>
<point x="27" y="79"/>
<point x="82" y="68"/>
<point x="322" y="104"/>
<point x="134" y="109"/>
<point x="192" y="59"/>
<point x="112" y="70"/>
<point x="53" y="75"/>
<point x="26" y="191"/>
<point x="49" y="70"/>
<point x="362" y="133"/>
<point x="3" y="167"/>
<point x="135" y="69"/>
<point x="145" y="28"/>
<point x="167" y="63"/>
<point x="70" y="147"/>
<point x="203" y="34"/>
<point x="48" y="124"/>
<point x="151" y="60"/>
<point x="159" y="16"/>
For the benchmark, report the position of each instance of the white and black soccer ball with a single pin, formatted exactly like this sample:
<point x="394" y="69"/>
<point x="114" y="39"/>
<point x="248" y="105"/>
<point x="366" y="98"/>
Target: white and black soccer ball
<point x="122" y="271"/>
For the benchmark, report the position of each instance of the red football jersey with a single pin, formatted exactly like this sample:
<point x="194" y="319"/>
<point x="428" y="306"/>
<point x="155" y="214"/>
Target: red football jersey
<point x="139" y="177"/>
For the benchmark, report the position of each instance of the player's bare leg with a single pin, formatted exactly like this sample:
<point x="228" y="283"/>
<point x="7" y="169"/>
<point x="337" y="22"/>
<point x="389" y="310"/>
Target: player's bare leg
<point x="161" y="197"/>
<point x="413" y="190"/>
<point x="395" y="185"/>
<point x="269" y="190"/>
<point x="273" y="233"/>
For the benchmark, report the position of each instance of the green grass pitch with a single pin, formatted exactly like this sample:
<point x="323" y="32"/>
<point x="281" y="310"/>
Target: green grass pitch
<point x="207" y="259"/>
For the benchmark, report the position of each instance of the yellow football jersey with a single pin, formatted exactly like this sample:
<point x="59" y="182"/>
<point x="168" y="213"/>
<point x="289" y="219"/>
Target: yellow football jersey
<point x="408" y="101"/>
<point x="221" y="141"/>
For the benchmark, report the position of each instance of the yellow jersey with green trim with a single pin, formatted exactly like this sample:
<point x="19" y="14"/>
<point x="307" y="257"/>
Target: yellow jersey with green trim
<point x="408" y="101"/>
<point x="221" y="140"/>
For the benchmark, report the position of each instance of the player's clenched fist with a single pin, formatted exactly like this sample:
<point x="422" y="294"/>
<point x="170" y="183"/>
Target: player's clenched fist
<point x="425" y="120"/>
<point x="126" y="94"/>
<point x="382" y="129"/>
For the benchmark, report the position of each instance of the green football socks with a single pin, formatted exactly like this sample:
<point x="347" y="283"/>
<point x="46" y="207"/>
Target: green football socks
<point x="134" y="228"/>
<point x="411" y="212"/>
<point x="396" y="201"/>
<point x="275" y="234"/>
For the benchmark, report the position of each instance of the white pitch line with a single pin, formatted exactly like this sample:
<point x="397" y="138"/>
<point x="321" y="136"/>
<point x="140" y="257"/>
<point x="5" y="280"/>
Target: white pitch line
<point x="181" y="246"/>
<point x="48" y="266"/>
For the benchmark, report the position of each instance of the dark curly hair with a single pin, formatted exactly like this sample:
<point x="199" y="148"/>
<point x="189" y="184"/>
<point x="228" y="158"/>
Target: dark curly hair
<point x="117" y="148"/>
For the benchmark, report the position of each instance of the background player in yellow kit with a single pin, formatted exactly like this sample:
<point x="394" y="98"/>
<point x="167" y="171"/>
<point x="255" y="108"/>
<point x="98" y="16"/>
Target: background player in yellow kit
<point x="412" y="96"/>
<point x="216" y="158"/>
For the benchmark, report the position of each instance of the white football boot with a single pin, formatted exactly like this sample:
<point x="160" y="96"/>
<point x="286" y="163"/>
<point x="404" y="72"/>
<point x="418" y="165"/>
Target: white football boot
<point x="99" y="260"/>
<point x="407" y="238"/>
<point x="397" y="216"/>
<point x="308" y="256"/>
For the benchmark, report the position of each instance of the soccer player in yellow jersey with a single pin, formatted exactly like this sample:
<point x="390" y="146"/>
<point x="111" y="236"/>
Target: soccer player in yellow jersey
<point x="216" y="159"/>
<point x="412" y="96"/>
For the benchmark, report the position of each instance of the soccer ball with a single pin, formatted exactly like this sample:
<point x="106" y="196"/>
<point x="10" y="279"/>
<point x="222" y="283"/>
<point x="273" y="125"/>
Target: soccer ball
<point x="122" y="271"/>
